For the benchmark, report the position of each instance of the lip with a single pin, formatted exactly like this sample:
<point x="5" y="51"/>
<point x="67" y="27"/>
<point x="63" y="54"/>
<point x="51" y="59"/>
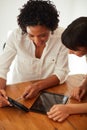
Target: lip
<point x="40" y="44"/>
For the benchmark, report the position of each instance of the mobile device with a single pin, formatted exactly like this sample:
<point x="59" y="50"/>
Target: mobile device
<point x="43" y="103"/>
<point x="46" y="100"/>
<point x="17" y="104"/>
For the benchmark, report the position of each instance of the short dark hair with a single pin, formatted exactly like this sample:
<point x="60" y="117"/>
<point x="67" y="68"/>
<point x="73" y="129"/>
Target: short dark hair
<point x="38" y="12"/>
<point x="75" y="35"/>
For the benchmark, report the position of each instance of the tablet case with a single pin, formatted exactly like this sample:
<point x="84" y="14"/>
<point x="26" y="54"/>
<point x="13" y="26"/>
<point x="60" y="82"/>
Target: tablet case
<point x="43" y="103"/>
<point x="18" y="105"/>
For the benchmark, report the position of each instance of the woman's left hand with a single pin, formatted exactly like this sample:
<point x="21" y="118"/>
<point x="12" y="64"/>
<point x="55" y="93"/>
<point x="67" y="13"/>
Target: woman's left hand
<point x="31" y="91"/>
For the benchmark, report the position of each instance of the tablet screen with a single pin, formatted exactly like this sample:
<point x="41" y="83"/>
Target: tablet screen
<point x="46" y="100"/>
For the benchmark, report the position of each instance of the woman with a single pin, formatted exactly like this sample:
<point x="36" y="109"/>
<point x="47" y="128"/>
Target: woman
<point x="36" y="49"/>
<point x="75" y="39"/>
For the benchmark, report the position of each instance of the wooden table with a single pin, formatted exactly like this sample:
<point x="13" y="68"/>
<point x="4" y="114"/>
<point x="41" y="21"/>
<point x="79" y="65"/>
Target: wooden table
<point x="15" y="119"/>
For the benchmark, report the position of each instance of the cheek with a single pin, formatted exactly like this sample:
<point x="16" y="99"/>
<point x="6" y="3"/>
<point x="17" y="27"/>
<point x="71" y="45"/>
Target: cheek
<point x="76" y="53"/>
<point x="80" y="54"/>
<point x="45" y="39"/>
<point x="71" y="51"/>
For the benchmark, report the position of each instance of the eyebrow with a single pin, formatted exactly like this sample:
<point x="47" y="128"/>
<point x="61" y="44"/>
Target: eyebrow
<point x="39" y="34"/>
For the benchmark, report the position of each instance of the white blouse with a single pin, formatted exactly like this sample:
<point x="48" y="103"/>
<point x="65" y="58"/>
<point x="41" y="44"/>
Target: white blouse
<point x="18" y="58"/>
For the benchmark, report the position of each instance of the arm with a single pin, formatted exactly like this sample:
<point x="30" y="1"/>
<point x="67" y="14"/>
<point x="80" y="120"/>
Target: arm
<point x="48" y="82"/>
<point x="77" y="108"/>
<point x="3" y="97"/>
<point x="61" y="112"/>
<point x="2" y="83"/>
<point x="6" y="58"/>
<point x="34" y="88"/>
<point x="61" y="68"/>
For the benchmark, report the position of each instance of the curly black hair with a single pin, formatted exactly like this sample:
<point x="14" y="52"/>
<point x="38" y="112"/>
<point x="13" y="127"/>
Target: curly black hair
<point x="75" y="35"/>
<point x="38" y="12"/>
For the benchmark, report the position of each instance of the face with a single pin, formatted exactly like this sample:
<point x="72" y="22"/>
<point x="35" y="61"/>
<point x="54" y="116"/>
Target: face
<point x="80" y="52"/>
<point x="38" y="34"/>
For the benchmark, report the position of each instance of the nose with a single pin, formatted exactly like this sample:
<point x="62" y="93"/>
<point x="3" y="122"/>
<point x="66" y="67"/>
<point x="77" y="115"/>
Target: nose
<point x="36" y="40"/>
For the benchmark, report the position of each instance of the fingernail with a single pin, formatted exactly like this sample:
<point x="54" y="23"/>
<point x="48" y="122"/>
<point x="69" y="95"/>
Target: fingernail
<point x="8" y="103"/>
<point x="6" y="97"/>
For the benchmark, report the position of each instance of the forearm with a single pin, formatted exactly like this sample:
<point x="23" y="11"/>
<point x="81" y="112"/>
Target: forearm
<point x="77" y="108"/>
<point x="48" y="82"/>
<point x="2" y="83"/>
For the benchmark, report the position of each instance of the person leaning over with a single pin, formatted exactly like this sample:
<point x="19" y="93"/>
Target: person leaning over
<point x="37" y="50"/>
<point x="75" y="39"/>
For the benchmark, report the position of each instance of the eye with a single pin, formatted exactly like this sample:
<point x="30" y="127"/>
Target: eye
<point x="30" y="35"/>
<point x="44" y="35"/>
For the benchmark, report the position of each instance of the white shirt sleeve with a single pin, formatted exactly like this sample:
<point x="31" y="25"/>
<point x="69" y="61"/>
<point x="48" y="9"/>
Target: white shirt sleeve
<point x="6" y="57"/>
<point x="61" y="68"/>
<point x="60" y="56"/>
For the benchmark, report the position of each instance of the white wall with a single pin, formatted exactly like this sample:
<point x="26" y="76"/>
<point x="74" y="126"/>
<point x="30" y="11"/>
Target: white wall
<point x="9" y="9"/>
<point x="69" y="10"/>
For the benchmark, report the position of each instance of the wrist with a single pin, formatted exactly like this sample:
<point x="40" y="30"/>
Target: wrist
<point x="68" y="107"/>
<point x="38" y="85"/>
<point x="76" y="108"/>
<point x="2" y="83"/>
<point x="72" y="109"/>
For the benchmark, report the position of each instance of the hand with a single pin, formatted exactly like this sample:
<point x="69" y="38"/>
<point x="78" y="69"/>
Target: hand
<point x="3" y="98"/>
<point x="78" y="92"/>
<point x="58" y="113"/>
<point x="31" y="91"/>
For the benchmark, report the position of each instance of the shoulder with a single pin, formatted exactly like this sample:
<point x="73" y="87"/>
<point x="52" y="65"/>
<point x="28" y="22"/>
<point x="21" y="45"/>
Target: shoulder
<point x="15" y="33"/>
<point x="58" y="31"/>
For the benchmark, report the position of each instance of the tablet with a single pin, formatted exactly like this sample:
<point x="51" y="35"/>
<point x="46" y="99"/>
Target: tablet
<point x="18" y="105"/>
<point x="46" y="100"/>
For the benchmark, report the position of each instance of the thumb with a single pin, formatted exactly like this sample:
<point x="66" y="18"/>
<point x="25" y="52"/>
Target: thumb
<point x="3" y="93"/>
<point x="82" y="94"/>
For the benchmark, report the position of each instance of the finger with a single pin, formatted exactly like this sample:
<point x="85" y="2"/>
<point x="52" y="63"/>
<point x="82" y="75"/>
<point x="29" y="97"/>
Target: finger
<point x="4" y="103"/>
<point x="82" y="94"/>
<point x="72" y="94"/>
<point x="52" y="114"/>
<point x="25" y="95"/>
<point x="56" y="118"/>
<point x="30" y="94"/>
<point x="78" y="97"/>
<point x="62" y="118"/>
<point x="75" y="94"/>
<point x="53" y="108"/>
<point x="3" y="93"/>
<point x="79" y="94"/>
